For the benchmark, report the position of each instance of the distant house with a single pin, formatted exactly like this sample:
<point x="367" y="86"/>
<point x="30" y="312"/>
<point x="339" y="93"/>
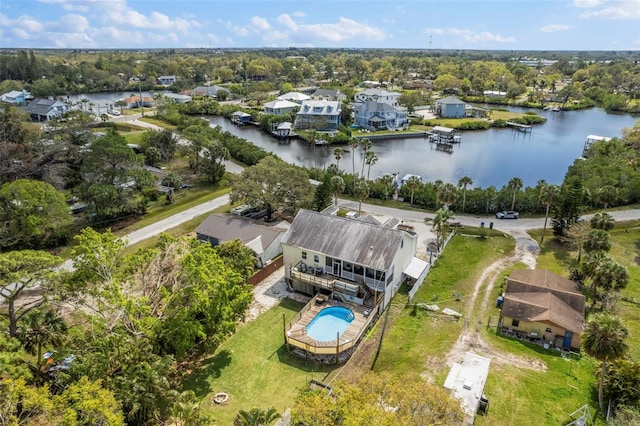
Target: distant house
<point x="494" y="94"/>
<point x="360" y="260"/>
<point x="296" y="97"/>
<point x="319" y="115"/>
<point x="209" y="91"/>
<point x="540" y="305"/>
<point x="178" y="98"/>
<point x="45" y="109"/>
<point x="137" y="101"/>
<point x="328" y="95"/>
<point x="240" y="117"/>
<point x="167" y="80"/>
<point x="374" y="116"/>
<point x="378" y="95"/>
<point x="450" y="107"/>
<point x="280" y="107"/>
<point x="263" y="240"/>
<point x="16" y="97"/>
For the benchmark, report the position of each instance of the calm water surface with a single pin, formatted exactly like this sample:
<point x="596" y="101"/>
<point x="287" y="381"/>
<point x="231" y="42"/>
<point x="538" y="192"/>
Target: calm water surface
<point x="488" y="157"/>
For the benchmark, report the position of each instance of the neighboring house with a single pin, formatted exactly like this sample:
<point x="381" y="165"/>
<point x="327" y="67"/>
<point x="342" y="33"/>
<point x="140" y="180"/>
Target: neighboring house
<point x="450" y="107"/>
<point x="240" y="117"/>
<point x="319" y="115"/>
<point x="349" y="259"/>
<point x="539" y="304"/>
<point x="16" y="97"/>
<point x="494" y="94"/>
<point x="378" y="95"/>
<point x="263" y="240"/>
<point x="178" y="98"/>
<point x="296" y="97"/>
<point x="45" y="109"/>
<point x="210" y="91"/>
<point x="374" y="116"/>
<point x="167" y="80"/>
<point x="138" y="101"/>
<point x="328" y="95"/>
<point x="280" y="107"/>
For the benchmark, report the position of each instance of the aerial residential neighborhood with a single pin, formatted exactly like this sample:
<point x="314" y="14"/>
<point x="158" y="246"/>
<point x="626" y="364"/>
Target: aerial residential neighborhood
<point x="308" y="217"/>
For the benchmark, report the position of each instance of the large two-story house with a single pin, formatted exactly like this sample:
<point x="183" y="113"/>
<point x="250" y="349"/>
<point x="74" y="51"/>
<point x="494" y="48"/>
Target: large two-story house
<point x="323" y="116"/>
<point x="378" y="95"/>
<point x="16" y="97"/>
<point x="279" y="107"/>
<point x="373" y="115"/>
<point x="351" y="260"/>
<point x="45" y="109"/>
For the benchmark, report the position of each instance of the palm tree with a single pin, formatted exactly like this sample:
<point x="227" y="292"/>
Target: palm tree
<point x="386" y="180"/>
<point x="338" y="185"/>
<point x="602" y="221"/>
<point x="186" y="409"/>
<point x="353" y="143"/>
<point x="370" y="158"/>
<point x="515" y="185"/>
<point x="42" y="327"/>
<point x="446" y="195"/>
<point x="365" y="145"/>
<point x="462" y="183"/>
<point x="597" y="240"/>
<point x="413" y="183"/>
<point x="490" y="194"/>
<point x="604" y="339"/>
<point x="338" y="153"/>
<point x="256" y="417"/>
<point x="440" y="223"/>
<point x="548" y="195"/>
<point x="361" y="193"/>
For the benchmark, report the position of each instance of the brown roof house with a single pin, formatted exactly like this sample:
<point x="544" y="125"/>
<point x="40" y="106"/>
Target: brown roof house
<point x="544" y="307"/>
<point x="262" y="239"/>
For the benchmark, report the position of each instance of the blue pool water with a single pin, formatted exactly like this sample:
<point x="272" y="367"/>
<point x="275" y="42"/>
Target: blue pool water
<point x="328" y="323"/>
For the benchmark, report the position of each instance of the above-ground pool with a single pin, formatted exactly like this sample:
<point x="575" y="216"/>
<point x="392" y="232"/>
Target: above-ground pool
<point x="329" y="322"/>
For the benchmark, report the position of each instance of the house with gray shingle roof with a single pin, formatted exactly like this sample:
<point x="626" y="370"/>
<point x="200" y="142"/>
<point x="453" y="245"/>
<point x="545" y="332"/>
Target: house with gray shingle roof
<point x="451" y="107"/>
<point x="45" y="109"/>
<point x="328" y="95"/>
<point x="322" y="116"/>
<point x="210" y="91"/>
<point x="373" y="115"/>
<point x="321" y="248"/>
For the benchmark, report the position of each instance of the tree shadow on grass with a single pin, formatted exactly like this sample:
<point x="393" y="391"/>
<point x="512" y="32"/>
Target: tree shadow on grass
<point x="210" y="368"/>
<point x="302" y="364"/>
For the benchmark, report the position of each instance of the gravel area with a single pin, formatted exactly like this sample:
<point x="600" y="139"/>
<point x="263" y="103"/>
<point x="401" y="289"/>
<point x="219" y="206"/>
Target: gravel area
<point x="269" y="292"/>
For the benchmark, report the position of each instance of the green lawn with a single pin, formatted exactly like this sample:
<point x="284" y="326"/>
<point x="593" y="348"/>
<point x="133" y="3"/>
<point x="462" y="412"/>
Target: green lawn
<point x="158" y="123"/>
<point x="254" y="368"/>
<point x="134" y="137"/>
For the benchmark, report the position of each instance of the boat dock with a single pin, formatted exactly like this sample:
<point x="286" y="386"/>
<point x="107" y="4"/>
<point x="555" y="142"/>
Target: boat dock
<point x="520" y="127"/>
<point x="591" y="139"/>
<point x="374" y="137"/>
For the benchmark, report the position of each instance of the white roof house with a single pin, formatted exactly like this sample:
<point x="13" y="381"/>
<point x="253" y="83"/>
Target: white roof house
<point x="280" y="107"/>
<point x="378" y="95"/>
<point x="296" y="97"/>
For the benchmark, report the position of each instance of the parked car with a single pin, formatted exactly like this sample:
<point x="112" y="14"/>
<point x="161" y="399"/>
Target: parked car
<point x="114" y="112"/>
<point x="507" y="215"/>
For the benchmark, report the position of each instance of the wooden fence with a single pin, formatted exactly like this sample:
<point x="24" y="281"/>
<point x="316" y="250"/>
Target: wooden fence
<point x="266" y="271"/>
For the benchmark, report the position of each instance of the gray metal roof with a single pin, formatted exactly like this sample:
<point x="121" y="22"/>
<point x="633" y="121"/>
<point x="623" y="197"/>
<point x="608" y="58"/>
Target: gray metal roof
<point x="227" y="228"/>
<point x="450" y="100"/>
<point x="347" y="239"/>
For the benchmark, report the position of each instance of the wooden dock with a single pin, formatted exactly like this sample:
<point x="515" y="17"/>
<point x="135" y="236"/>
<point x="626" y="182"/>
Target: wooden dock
<point x="520" y="127"/>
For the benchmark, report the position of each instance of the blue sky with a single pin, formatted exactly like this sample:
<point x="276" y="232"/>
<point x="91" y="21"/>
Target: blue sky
<point x="453" y="24"/>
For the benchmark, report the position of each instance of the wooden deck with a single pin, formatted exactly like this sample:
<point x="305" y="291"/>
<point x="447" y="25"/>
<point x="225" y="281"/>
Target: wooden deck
<point x="296" y="334"/>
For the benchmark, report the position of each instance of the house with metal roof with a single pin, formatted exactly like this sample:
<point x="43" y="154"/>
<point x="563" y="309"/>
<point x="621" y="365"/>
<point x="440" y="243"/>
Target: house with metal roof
<point x="374" y="115"/>
<point x="210" y="91"/>
<point x="45" y="109"/>
<point x="279" y="107"/>
<point x="451" y="107"/>
<point x="377" y="95"/>
<point x="16" y="97"/>
<point x="262" y="239"/>
<point x="541" y="306"/>
<point x="322" y="116"/>
<point x="296" y="97"/>
<point x="350" y="260"/>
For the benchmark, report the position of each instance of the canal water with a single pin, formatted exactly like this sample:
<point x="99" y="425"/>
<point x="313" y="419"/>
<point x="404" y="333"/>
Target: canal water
<point x="489" y="157"/>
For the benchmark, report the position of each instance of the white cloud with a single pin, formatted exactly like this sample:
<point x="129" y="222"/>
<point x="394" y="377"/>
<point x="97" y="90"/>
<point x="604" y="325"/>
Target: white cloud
<point x="628" y="9"/>
<point x="471" y="36"/>
<point x="238" y="29"/>
<point x="260" y="23"/>
<point x="586" y="3"/>
<point x="555" y="27"/>
<point x="299" y="14"/>
<point x="341" y="31"/>
<point x="214" y="38"/>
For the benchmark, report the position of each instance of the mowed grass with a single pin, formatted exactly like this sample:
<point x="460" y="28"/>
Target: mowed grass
<point x="419" y="340"/>
<point x="254" y="368"/>
<point x="158" y="123"/>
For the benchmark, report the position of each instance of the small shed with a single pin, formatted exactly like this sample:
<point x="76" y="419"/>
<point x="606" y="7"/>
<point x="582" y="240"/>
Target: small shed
<point x="466" y="382"/>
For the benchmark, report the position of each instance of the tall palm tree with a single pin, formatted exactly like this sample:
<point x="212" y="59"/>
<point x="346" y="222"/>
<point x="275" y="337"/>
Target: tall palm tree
<point x="386" y="180"/>
<point x="361" y="193"/>
<point x="413" y="183"/>
<point x="370" y="158"/>
<point x="338" y="185"/>
<point x="338" y="153"/>
<point x="602" y="221"/>
<point x="597" y="240"/>
<point x="42" y="327"/>
<point x="440" y="223"/>
<point x="256" y="417"/>
<point x="353" y="143"/>
<point x="514" y="185"/>
<point x="604" y="339"/>
<point x="548" y="196"/>
<point x="447" y="195"/>
<point x="365" y="145"/>
<point x="463" y="183"/>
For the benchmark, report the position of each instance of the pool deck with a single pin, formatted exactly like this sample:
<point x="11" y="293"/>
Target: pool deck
<point x="352" y="333"/>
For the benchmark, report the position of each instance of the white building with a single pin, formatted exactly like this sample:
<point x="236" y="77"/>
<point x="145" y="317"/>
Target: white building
<point x="378" y="95"/>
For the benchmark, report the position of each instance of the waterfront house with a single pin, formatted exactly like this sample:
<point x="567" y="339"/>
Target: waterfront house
<point x="295" y="97"/>
<point x="280" y="107"/>
<point x="541" y="306"/>
<point x="45" y="109"/>
<point x="328" y="95"/>
<point x="167" y="80"/>
<point x="373" y="115"/>
<point x="353" y="260"/>
<point x="262" y="239"/>
<point x="450" y="107"/>
<point x="318" y="115"/>
<point x="240" y="117"/>
<point x="16" y="97"/>
<point x="137" y="101"/>
<point x="209" y="91"/>
<point x="378" y="95"/>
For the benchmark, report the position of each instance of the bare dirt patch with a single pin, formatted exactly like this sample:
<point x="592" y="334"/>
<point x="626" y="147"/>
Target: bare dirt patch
<point x="269" y="292"/>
